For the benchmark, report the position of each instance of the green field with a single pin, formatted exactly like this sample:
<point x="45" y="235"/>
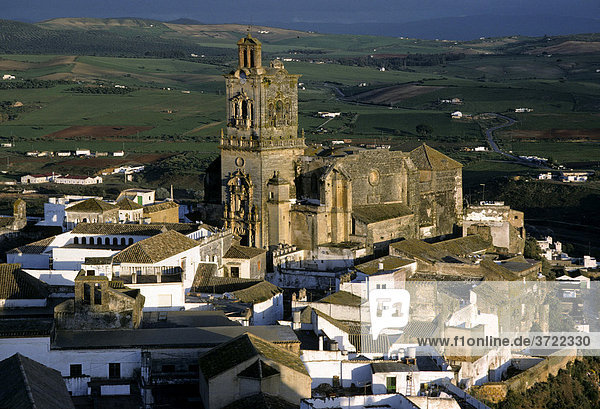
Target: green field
<point x="492" y="75"/>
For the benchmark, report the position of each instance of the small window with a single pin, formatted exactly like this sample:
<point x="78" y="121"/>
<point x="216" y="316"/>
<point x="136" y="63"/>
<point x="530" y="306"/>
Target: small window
<point x="75" y="370"/>
<point x="235" y="272"/>
<point x="390" y="384"/>
<point x="114" y="370"/>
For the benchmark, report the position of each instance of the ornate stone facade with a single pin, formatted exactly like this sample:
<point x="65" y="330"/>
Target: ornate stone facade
<point x="273" y="193"/>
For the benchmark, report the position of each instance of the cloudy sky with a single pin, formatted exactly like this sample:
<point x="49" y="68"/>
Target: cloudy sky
<point x="258" y="11"/>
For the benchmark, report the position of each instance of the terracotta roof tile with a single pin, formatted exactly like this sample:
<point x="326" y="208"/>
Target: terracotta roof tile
<point x="91" y="205"/>
<point x="155" y="248"/>
<point x="243" y="348"/>
<point x="427" y="158"/>
<point x="128" y="204"/>
<point x="157" y="207"/>
<point x="17" y="284"/>
<point x="243" y="252"/>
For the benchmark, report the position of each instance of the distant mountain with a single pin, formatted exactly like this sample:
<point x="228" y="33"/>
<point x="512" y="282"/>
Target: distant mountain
<point x="463" y="28"/>
<point x="186" y="21"/>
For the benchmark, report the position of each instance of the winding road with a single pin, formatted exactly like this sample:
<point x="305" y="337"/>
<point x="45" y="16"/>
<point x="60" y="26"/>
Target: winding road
<point x="489" y="133"/>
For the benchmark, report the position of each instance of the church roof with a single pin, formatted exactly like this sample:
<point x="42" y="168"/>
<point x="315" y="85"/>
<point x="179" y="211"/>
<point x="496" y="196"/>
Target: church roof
<point x="92" y="205"/>
<point x="243" y="348"/>
<point x="16" y="284"/>
<point x="27" y="384"/>
<point x="380" y="212"/>
<point x="243" y="252"/>
<point x="427" y="158"/>
<point x="156" y="248"/>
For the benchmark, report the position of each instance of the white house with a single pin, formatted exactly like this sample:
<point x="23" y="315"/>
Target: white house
<point x="457" y="115"/>
<point x="38" y="178"/>
<point x="78" y="180"/>
<point x="407" y="376"/>
<point x="119" y="153"/>
<point x="574" y="176"/>
<point x="82" y="152"/>
<point x="140" y="196"/>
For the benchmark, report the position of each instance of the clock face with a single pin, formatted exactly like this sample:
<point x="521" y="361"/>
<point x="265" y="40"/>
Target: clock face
<point x="243" y="77"/>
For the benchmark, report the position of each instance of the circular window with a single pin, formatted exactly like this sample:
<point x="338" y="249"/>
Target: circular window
<point x="373" y="178"/>
<point x="239" y="162"/>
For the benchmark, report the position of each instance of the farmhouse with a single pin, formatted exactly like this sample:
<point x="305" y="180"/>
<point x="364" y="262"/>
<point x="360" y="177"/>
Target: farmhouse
<point x="78" y="180"/>
<point x="38" y="178"/>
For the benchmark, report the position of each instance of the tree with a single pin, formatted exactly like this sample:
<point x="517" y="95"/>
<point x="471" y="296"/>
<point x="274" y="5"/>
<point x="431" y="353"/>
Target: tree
<point x="532" y="250"/>
<point x="424" y="130"/>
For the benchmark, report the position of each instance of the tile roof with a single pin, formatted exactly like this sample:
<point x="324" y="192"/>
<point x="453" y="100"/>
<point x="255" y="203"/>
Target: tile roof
<point x="155" y="248"/>
<point x="427" y="158"/>
<point x="27" y="384"/>
<point x="26" y="327"/>
<point x="6" y="221"/>
<point x="258" y="370"/>
<point x="464" y="246"/>
<point x="179" y="337"/>
<point x="243" y="348"/>
<point x="107" y="229"/>
<point x="157" y="207"/>
<point x="17" y="284"/>
<point x="128" y="204"/>
<point x="37" y="247"/>
<point x="419" y="249"/>
<point x="342" y="298"/>
<point x="204" y="273"/>
<point x="390" y="264"/>
<point x="423" y="363"/>
<point x="244" y="289"/>
<point x="91" y="205"/>
<point x="243" y="252"/>
<point x="257" y="293"/>
<point x="261" y="401"/>
<point x="380" y="212"/>
<point x="97" y="261"/>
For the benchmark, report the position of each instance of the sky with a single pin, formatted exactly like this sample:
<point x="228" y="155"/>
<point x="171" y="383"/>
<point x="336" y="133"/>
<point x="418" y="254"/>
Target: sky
<point x="320" y="11"/>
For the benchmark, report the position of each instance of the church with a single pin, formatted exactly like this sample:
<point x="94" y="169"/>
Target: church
<point x="273" y="192"/>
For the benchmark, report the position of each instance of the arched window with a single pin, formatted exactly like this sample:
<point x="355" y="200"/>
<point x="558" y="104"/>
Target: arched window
<point x="251" y="58"/>
<point x="122" y="241"/>
<point x="130" y="241"/>
<point x="76" y="240"/>
<point x="115" y="241"/>
<point x="83" y="240"/>
<point x="106" y="241"/>
<point x="244" y="109"/>
<point x="245" y="62"/>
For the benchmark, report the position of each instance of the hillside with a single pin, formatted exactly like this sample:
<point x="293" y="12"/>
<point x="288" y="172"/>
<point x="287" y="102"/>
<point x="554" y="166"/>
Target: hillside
<point x="141" y="37"/>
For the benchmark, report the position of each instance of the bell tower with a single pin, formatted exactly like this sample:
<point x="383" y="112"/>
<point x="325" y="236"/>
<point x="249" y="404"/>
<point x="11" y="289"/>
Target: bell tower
<point x="261" y="136"/>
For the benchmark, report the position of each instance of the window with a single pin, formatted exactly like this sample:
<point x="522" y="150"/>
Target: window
<point x="390" y="384"/>
<point x="75" y="370"/>
<point x="381" y="286"/>
<point x="235" y="272"/>
<point x="114" y="370"/>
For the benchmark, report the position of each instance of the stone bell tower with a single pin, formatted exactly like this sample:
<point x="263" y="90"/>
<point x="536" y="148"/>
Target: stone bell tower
<point x="261" y="138"/>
